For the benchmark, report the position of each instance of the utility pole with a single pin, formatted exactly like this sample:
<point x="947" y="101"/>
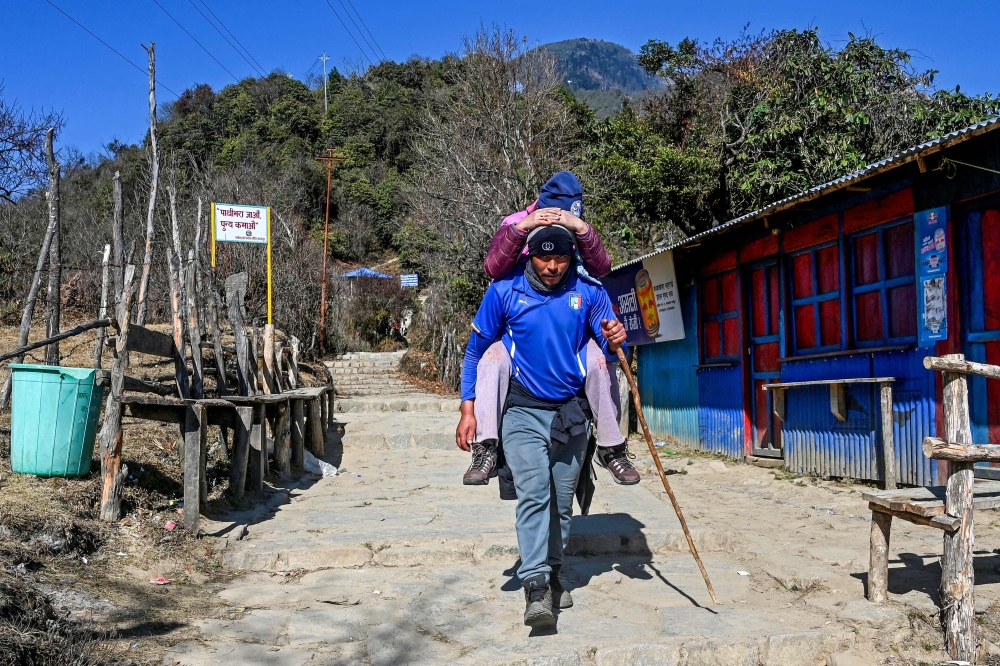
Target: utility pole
<point x="330" y="160"/>
<point x="326" y="102"/>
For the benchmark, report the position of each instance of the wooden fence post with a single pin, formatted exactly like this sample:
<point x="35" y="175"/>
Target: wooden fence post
<point x="888" y="443"/>
<point x="194" y="328"/>
<point x="195" y="427"/>
<point x="298" y="426"/>
<point x="878" y="563"/>
<point x="241" y="451"/>
<point x="315" y="428"/>
<point x="258" y="448"/>
<point x="147" y="260"/>
<point x="957" y="573"/>
<point x="282" y="437"/>
<point x="53" y="295"/>
<point x="112" y="470"/>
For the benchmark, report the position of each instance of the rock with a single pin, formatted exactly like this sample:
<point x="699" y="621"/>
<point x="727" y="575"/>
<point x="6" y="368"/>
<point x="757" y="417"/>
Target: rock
<point x="717" y="466"/>
<point x="864" y="614"/>
<point x="415" y="554"/>
<point x="240" y="533"/>
<point x="847" y="659"/>
<point x="652" y="654"/>
<point x="808" y="647"/>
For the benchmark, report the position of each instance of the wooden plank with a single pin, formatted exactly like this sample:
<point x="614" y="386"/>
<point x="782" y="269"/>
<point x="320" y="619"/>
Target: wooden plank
<point x="306" y="393"/>
<point x="961" y="366"/>
<point x="315" y="428"/>
<point x="957" y="572"/>
<point x="824" y="382"/>
<point x="262" y="399"/>
<point x="194" y="327"/>
<point x="145" y="386"/>
<point x="878" y="557"/>
<point x="938" y="449"/>
<point x="269" y="370"/>
<point x="838" y="401"/>
<point x="330" y="396"/>
<point x="193" y="420"/>
<point x="103" y="310"/>
<point x="888" y="441"/>
<point x="143" y="340"/>
<point x="778" y="399"/>
<point x="282" y="443"/>
<point x="298" y="429"/>
<point x="258" y="450"/>
<point x="324" y="407"/>
<point x="942" y="522"/>
<point x="158" y="413"/>
<point x="241" y="451"/>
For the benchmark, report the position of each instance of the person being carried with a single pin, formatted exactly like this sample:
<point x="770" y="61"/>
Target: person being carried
<point x="559" y="203"/>
<point x="545" y="315"/>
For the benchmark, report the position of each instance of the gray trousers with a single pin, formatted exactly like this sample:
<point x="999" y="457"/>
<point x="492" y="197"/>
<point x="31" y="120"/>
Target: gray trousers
<point x="545" y="475"/>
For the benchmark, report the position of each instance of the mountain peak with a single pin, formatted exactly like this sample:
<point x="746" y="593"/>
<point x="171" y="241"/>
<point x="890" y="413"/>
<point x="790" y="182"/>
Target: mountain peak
<point x="597" y="65"/>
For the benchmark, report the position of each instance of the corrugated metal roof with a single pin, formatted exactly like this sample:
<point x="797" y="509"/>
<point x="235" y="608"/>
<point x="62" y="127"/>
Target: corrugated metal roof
<point x="908" y="155"/>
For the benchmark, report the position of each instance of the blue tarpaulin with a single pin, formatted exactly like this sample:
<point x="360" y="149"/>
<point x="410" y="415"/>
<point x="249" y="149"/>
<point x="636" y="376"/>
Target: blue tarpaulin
<point x="366" y="273"/>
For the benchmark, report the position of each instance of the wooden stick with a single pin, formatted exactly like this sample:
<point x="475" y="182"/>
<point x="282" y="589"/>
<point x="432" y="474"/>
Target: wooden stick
<point x="960" y="366"/>
<point x="659" y="468"/>
<point x="147" y="261"/>
<point x="53" y="295"/>
<point x="118" y="238"/>
<point x="194" y="327"/>
<point x="82" y="328"/>
<point x="888" y="444"/>
<point x="938" y="449"/>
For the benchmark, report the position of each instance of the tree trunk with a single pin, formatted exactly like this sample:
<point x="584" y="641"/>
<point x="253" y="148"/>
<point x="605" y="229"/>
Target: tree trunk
<point x="176" y="308"/>
<point x="147" y="262"/>
<point x="29" y="303"/>
<point x="112" y="470"/>
<point x="102" y="332"/>
<point x="55" y="254"/>
<point x="194" y="328"/>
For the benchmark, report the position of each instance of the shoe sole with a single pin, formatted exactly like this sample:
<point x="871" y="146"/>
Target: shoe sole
<point x="540" y="619"/>
<point x="475" y="482"/>
<point x="615" y="478"/>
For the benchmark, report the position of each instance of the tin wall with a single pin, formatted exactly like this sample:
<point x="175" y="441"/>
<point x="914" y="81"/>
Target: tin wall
<point x="668" y="381"/>
<point x="818" y="443"/>
<point x="720" y="410"/>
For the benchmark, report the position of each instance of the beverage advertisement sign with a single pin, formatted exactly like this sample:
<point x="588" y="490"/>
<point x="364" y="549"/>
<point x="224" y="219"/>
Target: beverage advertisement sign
<point x="931" y="233"/>
<point x="646" y="299"/>
<point x="236" y="223"/>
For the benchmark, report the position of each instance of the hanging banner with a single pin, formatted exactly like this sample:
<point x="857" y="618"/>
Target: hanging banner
<point x="931" y="234"/>
<point x="239" y="223"/>
<point x="647" y="301"/>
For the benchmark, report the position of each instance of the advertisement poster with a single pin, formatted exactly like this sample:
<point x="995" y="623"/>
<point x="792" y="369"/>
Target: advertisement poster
<point x="931" y="232"/>
<point x="646" y="299"/>
<point x="236" y="223"/>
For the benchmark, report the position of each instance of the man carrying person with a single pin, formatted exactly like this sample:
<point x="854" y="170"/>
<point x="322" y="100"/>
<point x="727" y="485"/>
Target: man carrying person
<point x="559" y="203"/>
<point x="544" y="313"/>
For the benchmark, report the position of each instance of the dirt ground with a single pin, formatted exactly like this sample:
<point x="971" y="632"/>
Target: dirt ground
<point x="76" y="590"/>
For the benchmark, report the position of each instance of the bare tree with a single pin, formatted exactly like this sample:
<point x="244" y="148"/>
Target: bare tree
<point x="496" y="137"/>
<point x="22" y="147"/>
<point x="147" y="261"/>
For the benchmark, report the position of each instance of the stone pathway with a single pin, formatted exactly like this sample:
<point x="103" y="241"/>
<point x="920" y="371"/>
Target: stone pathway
<point x="395" y="562"/>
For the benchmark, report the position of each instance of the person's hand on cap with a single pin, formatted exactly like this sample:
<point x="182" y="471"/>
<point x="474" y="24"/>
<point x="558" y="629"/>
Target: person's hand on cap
<point x="573" y="223"/>
<point x="540" y="217"/>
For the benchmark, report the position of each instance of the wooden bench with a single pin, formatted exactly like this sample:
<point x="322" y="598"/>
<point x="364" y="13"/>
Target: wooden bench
<point x="838" y="407"/>
<point x="950" y="508"/>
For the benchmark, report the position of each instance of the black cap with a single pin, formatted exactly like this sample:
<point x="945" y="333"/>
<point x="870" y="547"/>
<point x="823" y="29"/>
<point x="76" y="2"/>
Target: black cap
<point x="550" y="240"/>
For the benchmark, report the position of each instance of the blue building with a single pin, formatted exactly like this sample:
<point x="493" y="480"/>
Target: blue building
<point x="858" y="278"/>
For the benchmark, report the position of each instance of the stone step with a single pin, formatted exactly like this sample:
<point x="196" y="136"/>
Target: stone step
<point x="415" y="403"/>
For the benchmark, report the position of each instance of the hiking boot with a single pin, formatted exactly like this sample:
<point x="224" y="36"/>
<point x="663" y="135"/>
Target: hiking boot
<point x="538" y="604"/>
<point x="616" y="459"/>
<point x="560" y="595"/>
<point x="484" y="462"/>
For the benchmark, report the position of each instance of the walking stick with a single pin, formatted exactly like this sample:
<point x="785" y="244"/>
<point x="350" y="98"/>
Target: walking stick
<point x="659" y="468"/>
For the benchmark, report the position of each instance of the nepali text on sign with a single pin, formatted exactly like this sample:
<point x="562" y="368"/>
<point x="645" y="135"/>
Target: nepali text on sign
<point x="237" y="223"/>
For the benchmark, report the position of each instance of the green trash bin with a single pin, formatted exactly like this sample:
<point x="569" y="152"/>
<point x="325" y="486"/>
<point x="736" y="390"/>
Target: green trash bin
<point x="54" y="419"/>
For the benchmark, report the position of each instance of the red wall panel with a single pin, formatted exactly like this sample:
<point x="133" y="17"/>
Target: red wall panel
<point x="866" y="259"/>
<point x="872" y="213"/>
<point x="758" y="249"/>
<point x="805" y="326"/>
<point x="812" y="233"/>
<point x="868" y="315"/>
<point x="828" y="269"/>
<point x="723" y="262"/>
<point x="829" y="322"/>
<point x="991" y="270"/>
<point x="802" y="276"/>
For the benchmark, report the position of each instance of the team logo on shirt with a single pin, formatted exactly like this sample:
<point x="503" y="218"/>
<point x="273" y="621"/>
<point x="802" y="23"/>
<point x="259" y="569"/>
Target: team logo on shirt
<point x="575" y="301"/>
<point x="576" y="207"/>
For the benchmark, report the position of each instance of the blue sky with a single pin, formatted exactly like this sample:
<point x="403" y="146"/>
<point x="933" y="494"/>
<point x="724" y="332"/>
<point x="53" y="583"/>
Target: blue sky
<point x="47" y="61"/>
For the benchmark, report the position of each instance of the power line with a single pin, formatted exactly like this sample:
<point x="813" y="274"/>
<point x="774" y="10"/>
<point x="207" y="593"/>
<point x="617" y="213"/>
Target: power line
<point x="240" y="53"/>
<point x="156" y="2"/>
<point x="365" y="39"/>
<point x="351" y="34"/>
<point x="235" y="39"/>
<point x="369" y="31"/>
<point x="143" y="71"/>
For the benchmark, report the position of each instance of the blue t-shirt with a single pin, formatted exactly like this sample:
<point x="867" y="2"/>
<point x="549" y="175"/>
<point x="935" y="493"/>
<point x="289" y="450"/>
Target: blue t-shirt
<point x="545" y="334"/>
